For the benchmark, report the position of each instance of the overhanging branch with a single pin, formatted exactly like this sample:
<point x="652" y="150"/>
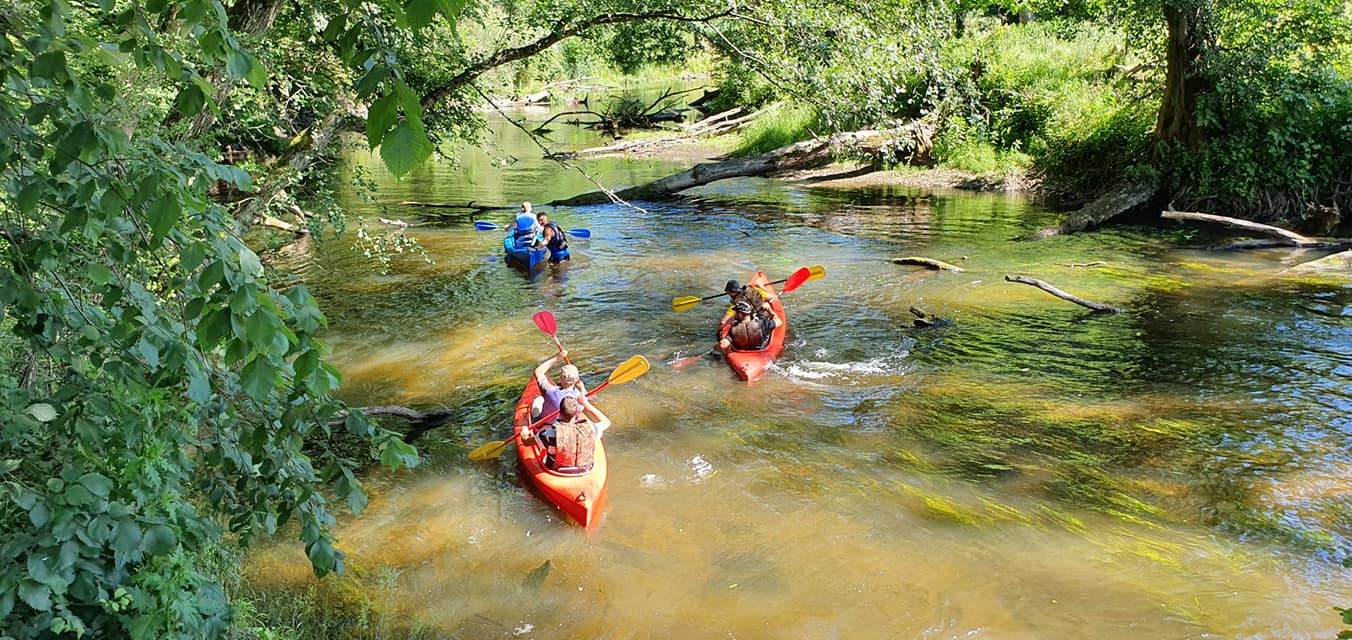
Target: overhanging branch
<point x="559" y="34"/>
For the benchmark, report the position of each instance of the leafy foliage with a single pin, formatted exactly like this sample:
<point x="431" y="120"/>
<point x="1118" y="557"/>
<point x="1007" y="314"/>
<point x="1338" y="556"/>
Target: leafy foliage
<point x="179" y="377"/>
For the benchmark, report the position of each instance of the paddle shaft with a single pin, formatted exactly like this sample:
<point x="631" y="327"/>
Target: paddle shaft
<point x="719" y="295"/>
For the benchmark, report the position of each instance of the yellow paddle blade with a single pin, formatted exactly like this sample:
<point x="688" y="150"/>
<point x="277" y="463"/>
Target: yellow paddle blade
<point x="816" y="272"/>
<point x="628" y="370"/>
<point x="684" y="303"/>
<point x="489" y="451"/>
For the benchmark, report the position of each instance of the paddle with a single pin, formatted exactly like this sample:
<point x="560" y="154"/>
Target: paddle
<point x="545" y="320"/>
<point x="792" y="282"/>
<point x="686" y="303"/>
<point x="626" y="372"/>
<point x="484" y="225"/>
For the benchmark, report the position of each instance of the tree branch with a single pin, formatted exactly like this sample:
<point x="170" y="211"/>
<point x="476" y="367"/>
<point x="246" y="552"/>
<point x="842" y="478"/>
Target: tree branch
<point x="560" y="33"/>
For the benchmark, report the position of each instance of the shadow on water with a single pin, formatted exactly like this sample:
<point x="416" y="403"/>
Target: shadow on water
<point x="1025" y="470"/>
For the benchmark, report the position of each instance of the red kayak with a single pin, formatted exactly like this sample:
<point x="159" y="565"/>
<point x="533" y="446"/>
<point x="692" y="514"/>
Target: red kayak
<point x="580" y="496"/>
<point x="750" y="365"/>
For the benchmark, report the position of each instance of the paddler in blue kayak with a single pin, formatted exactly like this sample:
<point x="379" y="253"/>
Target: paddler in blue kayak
<point x="525" y="229"/>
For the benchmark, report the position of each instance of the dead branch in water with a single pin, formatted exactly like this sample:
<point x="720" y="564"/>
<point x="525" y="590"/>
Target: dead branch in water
<point x="452" y="205"/>
<point x="1100" y="308"/>
<point x="936" y="265"/>
<point x="1291" y="237"/>
<point x="1096" y="263"/>
<point x="1335" y="244"/>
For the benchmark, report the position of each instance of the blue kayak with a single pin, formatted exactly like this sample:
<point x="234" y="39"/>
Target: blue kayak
<point x="525" y="257"/>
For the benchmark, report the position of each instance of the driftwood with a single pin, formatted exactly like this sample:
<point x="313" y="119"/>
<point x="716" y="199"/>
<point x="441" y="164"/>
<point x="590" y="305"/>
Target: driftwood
<point x="924" y="320"/>
<point x="452" y="205"/>
<point x="419" y="422"/>
<point x="1335" y="263"/>
<point x="1097" y="307"/>
<point x="913" y="140"/>
<point x="1334" y="244"/>
<point x="714" y="125"/>
<point x="280" y="225"/>
<point x="1290" y="237"/>
<point x="394" y="223"/>
<point x="1096" y="263"/>
<point x="1116" y="202"/>
<point x="931" y="263"/>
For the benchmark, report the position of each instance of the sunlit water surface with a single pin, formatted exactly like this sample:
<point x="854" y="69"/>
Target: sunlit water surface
<point x="1025" y="470"/>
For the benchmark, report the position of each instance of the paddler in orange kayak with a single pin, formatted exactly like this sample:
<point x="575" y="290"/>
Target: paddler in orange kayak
<point x="749" y="332"/>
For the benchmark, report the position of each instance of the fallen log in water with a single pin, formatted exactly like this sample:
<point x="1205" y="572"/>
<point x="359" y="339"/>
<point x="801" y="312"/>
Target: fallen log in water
<point x="452" y="205"/>
<point x="1335" y="244"/>
<point x="1120" y="200"/>
<point x="937" y="265"/>
<point x="1097" y="307"/>
<point x="1340" y="263"/>
<point x="1289" y="237"/>
<point x="911" y="142"/>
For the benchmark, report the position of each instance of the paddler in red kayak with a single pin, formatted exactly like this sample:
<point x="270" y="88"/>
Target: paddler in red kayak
<point x="755" y="297"/>
<point x="570" y="442"/>
<point x="750" y="331"/>
<point x="570" y="386"/>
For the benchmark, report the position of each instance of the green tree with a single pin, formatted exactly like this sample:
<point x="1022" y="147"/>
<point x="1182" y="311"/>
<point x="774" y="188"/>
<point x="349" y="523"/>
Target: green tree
<point x="170" y="392"/>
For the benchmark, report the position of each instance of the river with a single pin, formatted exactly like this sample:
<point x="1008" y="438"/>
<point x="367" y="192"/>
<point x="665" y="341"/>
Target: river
<point x="1024" y="470"/>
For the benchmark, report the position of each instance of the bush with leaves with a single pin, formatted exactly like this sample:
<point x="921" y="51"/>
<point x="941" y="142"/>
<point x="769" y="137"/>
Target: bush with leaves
<point x="176" y="386"/>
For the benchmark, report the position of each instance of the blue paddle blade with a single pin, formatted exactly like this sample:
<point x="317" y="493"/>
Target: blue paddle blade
<point x="484" y="225"/>
<point x="580" y="233"/>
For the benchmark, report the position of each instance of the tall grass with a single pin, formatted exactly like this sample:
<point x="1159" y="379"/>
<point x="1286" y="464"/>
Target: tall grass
<point x="1041" y="96"/>
<point x="781" y="125"/>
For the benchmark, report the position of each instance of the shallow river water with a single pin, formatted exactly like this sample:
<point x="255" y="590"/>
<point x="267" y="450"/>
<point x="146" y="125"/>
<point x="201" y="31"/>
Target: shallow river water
<point x="1024" y="470"/>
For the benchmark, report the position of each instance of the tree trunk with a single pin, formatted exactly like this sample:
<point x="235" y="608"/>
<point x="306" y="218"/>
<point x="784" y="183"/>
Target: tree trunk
<point x="1177" y="121"/>
<point x="911" y="142"/>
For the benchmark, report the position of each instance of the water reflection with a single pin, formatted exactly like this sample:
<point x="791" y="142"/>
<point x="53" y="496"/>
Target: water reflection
<point x="1026" y="471"/>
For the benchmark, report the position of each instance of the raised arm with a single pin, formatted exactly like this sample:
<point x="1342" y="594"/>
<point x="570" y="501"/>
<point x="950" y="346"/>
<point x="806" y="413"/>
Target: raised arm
<point x="542" y="373"/>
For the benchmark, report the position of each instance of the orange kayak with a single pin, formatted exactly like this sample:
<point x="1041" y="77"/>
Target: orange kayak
<point x="579" y="496"/>
<point x="750" y="365"/>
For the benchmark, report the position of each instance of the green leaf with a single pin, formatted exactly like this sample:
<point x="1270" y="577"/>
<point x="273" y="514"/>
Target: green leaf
<point x="97" y="484"/>
<point x="77" y="495"/>
<point x="370" y="81"/>
<point x="258" y="378"/>
<point x="396" y="453"/>
<point x="239" y="63"/>
<point x="42" y="412"/>
<point x="100" y="274"/>
<point x="6" y="603"/>
<point x="160" y="539"/>
<point x="149" y="352"/>
<point x="420" y="12"/>
<point x="50" y="65"/>
<point x="126" y="542"/>
<point x="190" y="101"/>
<point x="405" y="148"/>
<point x="321" y="556"/>
<point x="192" y="256"/>
<point x="380" y="117"/>
<point x="259" y="327"/>
<point x="162" y="216"/>
<point x="30" y="195"/>
<point x="249" y="262"/>
<point x="35" y="595"/>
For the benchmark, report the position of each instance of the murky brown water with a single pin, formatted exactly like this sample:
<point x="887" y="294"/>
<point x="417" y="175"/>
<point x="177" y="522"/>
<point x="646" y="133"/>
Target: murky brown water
<point x="1025" y="471"/>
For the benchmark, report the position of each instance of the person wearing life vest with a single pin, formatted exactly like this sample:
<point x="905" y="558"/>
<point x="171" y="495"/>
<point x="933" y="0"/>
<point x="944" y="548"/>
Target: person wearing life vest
<point x="525" y="230"/>
<point x="755" y="297"/>
<point x="747" y="331"/>
<point x="553" y="238"/>
<point x="570" y="442"/>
